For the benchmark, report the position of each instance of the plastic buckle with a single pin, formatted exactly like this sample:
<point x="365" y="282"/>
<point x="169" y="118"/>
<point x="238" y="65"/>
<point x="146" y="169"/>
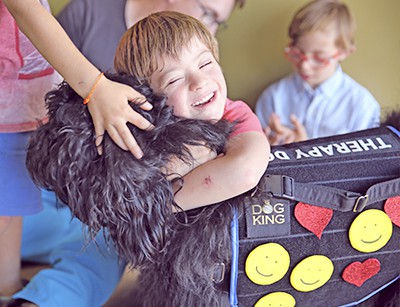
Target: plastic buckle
<point x="279" y="186"/>
<point x="361" y="202"/>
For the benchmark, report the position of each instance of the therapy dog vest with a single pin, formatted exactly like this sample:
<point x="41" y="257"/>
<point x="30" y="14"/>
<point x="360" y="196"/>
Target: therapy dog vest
<point x="321" y="229"/>
<point x="322" y="226"/>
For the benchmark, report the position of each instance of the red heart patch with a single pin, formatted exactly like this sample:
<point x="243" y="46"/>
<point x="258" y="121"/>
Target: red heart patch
<point x="357" y="273"/>
<point x="392" y="209"/>
<point x="313" y="218"/>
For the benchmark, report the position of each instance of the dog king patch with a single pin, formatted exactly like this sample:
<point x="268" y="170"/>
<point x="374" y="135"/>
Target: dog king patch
<point x="267" y="217"/>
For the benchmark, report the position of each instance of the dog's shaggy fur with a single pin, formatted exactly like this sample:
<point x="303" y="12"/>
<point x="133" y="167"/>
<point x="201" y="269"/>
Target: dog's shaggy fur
<point x="189" y="273"/>
<point x="130" y="198"/>
<point x="392" y="119"/>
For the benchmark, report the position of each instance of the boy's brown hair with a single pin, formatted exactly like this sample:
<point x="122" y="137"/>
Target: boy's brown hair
<point x="156" y="36"/>
<point x="318" y="15"/>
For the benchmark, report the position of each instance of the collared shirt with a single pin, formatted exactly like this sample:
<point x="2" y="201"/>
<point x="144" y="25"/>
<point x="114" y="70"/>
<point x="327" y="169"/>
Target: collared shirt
<point x="338" y="105"/>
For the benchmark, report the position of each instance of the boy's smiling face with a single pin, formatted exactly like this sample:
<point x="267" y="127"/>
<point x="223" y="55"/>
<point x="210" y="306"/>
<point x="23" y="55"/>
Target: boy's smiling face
<point x="194" y="83"/>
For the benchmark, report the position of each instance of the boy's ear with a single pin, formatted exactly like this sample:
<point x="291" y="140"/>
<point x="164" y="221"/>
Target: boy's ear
<point x="346" y="53"/>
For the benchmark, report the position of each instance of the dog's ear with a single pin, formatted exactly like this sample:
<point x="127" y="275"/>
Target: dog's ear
<point x="114" y="190"/>
<point x="63" y="148"/>
<point x="392" y="119"/>
<point x="50" y="144"/>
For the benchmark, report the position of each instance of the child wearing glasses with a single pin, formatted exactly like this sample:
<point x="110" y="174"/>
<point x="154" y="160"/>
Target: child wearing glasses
<point x="318" y="99"/>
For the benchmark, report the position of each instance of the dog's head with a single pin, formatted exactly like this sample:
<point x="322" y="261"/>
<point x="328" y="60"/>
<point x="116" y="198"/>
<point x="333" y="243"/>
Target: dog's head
<point x="131" y="198"/>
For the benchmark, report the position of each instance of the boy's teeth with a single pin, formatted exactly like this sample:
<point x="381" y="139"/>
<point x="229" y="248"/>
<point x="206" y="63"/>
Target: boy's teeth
<point x="204" y="100"/>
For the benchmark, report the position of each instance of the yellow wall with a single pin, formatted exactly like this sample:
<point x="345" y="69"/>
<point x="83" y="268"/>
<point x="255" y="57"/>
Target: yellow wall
<point x="251" y="47"/>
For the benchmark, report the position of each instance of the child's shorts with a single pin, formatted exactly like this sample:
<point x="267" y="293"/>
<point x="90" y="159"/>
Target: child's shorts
<point x="18" y="195"/>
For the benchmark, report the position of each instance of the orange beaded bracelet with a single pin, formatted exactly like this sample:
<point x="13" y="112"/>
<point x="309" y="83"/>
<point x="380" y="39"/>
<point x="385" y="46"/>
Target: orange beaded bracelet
<point x="87" y="99"/>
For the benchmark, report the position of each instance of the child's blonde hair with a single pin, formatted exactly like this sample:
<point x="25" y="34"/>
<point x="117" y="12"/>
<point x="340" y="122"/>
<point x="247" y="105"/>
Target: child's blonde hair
<point x="156" y="36"/>
<point x="319" y="14"/>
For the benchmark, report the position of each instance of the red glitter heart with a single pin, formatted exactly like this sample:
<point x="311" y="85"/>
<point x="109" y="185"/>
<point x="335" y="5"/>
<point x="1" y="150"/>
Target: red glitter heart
<point x="392" y="209"/>
<point x="313" y="218"/>
<point x="357" y="273"/>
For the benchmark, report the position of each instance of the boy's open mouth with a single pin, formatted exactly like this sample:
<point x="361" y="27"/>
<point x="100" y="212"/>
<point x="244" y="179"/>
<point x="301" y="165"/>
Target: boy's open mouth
<point x="204" y="100"/>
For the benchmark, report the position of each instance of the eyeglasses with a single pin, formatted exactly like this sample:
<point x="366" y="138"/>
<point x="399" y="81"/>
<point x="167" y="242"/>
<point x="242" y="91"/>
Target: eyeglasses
<point x="296" y="56"/>
<point x="209" y="17"/>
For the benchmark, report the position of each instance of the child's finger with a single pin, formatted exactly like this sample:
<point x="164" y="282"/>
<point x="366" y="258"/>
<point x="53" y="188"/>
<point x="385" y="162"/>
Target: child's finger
<point x="267" y="131"/>
<point x="299" y="128"/>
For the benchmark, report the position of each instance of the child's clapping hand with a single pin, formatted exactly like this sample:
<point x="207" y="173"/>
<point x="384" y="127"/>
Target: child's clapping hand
<point x="279" y="134"/>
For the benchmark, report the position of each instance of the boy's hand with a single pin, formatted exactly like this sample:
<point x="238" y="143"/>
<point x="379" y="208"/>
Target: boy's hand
<point x="279" y="134"/>
<point x="110" y="111"/>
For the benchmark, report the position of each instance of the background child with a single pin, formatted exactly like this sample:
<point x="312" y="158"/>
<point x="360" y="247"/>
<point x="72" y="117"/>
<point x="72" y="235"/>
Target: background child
<point x="25" y="77"/>
<point x="178" y="56"/>
<point x="318" y="99"/>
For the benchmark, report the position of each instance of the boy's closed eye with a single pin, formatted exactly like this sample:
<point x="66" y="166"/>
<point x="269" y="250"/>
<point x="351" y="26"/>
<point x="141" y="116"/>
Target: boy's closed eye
<point x="206" y="64"/>
<point x="174" y="80"/>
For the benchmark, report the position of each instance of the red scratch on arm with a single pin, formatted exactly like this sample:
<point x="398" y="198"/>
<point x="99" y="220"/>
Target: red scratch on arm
<point x="207" y="180"/>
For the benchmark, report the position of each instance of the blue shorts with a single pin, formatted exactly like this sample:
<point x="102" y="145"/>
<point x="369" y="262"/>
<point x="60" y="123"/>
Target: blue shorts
<point x="18" y="195"/>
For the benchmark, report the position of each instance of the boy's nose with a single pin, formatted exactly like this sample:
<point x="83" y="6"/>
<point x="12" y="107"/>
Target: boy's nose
<point x="197" y="81"/>
<point x="305" y="63"/>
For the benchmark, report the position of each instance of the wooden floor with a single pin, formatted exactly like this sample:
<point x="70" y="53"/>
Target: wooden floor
<point x="122" y="294"/>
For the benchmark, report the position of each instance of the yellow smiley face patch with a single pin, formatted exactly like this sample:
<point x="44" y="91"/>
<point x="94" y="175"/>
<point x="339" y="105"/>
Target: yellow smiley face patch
<point x="276" y="299"/>
<point x="370" y="231"/>
<point x="311" y="273"/>
<point x="267" y="263"/>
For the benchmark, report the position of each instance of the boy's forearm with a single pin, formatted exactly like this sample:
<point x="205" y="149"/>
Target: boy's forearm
<point x="179" y="168"/>
<point x="53" y="43"/>
<point x="236" y="172"/>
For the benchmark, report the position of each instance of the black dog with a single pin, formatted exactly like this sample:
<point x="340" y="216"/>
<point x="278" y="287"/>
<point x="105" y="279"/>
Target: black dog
<point x="130" y="198"/>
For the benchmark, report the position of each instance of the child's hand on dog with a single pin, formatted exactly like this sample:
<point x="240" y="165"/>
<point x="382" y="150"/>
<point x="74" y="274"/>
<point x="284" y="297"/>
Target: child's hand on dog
<point x="110" y="112"/>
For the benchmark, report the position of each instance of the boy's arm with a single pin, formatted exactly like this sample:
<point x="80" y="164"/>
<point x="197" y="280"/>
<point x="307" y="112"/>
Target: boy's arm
<point x="232" y="174"/>
<point x="109" y="103"/>
<point x="178" y="168"/>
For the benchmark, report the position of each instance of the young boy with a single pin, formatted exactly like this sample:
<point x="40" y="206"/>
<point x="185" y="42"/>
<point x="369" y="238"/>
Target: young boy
<point x="318" y="99"/>
<point x="25" y="77"/>
<point x="178" y="56"/>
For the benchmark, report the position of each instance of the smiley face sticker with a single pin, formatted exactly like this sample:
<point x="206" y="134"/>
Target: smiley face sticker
<point x="267" y="263"/>
<point x="311" y="273"/>
<point x="276" y="299"/>
<point x="370" y="231"/>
